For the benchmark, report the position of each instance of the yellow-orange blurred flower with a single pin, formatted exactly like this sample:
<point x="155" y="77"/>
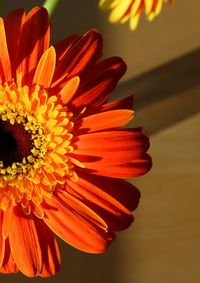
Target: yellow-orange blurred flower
<point x="130" y="10"/>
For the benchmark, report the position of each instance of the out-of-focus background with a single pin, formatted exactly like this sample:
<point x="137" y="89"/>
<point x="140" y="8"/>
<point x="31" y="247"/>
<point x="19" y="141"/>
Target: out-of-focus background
<point x="163" y="59"/>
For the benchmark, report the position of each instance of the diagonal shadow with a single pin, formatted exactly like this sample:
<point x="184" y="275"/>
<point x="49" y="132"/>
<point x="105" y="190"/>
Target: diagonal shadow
<point x="167" y="94"/>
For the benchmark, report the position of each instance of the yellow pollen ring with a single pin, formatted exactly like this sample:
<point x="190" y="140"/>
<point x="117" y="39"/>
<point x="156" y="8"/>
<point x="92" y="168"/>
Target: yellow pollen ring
<point x="32" y="162"/>
<point x="49" y="125"/>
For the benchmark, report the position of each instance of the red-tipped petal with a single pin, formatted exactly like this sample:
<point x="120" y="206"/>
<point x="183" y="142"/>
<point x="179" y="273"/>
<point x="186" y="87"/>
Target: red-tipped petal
<point x="76" y="224"/>
<point x="13" y="25"/>
<point x="63" y="46"/>
<point x="113" y="63"/>
<point x="94" y="195"/>
<point x="124" y="103"/>
<point x="95" y="91"/>
<point x="34" y="40"/>
<point x="124" y="192"/>
<point x="50" y="251"/>
<point x="82" y="55"/>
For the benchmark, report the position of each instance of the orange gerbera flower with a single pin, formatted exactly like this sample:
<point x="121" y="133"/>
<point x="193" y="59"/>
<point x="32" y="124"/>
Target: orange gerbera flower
<point x="62" y="149"/>
<point x="130" y="10"/>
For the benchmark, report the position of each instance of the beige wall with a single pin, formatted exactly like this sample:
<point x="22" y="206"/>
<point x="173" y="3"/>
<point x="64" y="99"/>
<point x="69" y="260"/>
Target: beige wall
<point x="175" y="32"/>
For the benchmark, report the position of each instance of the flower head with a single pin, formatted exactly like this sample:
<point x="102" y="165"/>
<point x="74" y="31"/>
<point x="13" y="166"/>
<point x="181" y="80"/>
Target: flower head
<point x="63" y="151"/>
<point x="130" y="10"/>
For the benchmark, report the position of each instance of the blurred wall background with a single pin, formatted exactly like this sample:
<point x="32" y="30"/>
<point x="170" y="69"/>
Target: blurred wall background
<point x="175" y="32"/>
<point x="164" y="243"/>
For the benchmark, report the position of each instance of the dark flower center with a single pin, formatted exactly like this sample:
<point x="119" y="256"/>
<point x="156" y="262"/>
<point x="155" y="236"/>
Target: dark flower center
<point x="15" y="143"/>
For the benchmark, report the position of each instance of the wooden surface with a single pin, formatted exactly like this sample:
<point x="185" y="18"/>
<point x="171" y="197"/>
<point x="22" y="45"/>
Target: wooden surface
<point x="164" y="244"/>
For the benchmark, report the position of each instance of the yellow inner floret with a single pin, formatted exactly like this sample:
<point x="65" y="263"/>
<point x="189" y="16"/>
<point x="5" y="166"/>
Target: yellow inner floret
<point x="48" y="125"/>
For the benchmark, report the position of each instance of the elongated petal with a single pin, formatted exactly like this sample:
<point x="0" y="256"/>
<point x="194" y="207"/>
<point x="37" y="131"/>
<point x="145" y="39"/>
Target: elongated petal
<point x="84" y="53"/>
<point x="76" y="224"/>
<point x="63" y="46"/>
<point x="31" y="48"/>
<point x="132" y="169"/>
<point x="115" y="64"/>
<point x="124" y="192"/>
<point x="45" y="68"/>
<point x="112" y="147"/>
<point x="24" y="244"/>
<point x="104" y="121"/>
<point x="134" y="18"/>
<point x="95" y="91"/>
<point x="118" y="12"/>
<point x="8" y="264"/>
<point x="7" y="222"/>
<point x="5" y="66"/>
<point x="92" y="194"/>
<point x="13" y="25"/>
<point x="2" y="241"/>
<point x="124" y="103"/>
<point x="49" y="247"/>
<point x="99" y="82"/>
<point x="69" y="90"/>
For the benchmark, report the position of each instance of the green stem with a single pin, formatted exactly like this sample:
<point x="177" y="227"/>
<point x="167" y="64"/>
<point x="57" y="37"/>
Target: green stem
<point x="50" y="5"/>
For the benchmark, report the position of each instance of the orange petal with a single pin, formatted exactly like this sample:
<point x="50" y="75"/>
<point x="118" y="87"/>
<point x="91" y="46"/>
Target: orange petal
<point x="76" y="224"/>
<point x="8" y="265"/>
<point x="13" y="25"/>
<point x="114" y="213"/>
<point x="104" y="121"/>
<point x="112" y="147"/>
<point x="50" y="250"/>
<point x="34" y="40"/>
<point x="45" y="68"/>
<point x="82" y="54"/>
<point x="7" y="222"/>
<point x="132" y="169"/>
<point x="69" y="90"/>
<point x="2" y="241"/>
<point x="5" y="66"/>
<point x="24" y="244"/>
